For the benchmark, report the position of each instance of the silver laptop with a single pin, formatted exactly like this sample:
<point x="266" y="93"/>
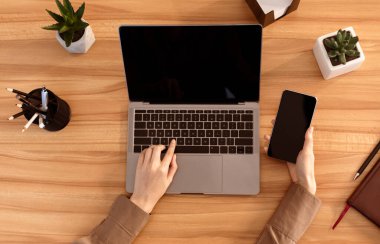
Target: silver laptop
<point x="199" y="85"/>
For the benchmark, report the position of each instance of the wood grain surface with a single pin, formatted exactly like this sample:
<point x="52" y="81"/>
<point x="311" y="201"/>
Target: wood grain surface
<point x="56" y="187"/>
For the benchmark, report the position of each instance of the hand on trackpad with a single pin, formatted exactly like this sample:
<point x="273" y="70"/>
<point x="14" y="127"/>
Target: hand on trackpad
<point x="198" y="174"/>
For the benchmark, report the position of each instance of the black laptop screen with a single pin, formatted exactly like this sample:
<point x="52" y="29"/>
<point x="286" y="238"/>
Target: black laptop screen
<point x="192" y="64"/>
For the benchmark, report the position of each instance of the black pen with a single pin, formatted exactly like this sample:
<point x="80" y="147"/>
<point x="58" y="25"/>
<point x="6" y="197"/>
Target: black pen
<point x="367" y="161"/>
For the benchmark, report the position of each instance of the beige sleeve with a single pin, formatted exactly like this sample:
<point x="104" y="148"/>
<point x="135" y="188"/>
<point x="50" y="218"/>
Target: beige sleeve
<point x="122" y="225"/>
<point x="292" y="217"/>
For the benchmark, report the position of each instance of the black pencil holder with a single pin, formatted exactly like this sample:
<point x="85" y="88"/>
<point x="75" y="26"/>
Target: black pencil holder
<point x="58" y="113"/>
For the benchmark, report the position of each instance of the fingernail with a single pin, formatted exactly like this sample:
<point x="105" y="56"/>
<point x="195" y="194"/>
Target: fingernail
<point x="173" y="141"/>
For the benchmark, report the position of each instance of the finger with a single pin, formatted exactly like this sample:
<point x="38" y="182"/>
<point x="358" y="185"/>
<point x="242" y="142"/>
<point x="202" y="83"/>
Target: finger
<point x="273" y="121"/>
<point x="173" y="168"/>
<point x="157" y="152"/>
<point x="169" y="153"/>
<point x="266" y="149"/>
<point x="140" y="160"/>
<point x="148" y="155"/>
<point x="267" y="137"/>
<point x="308" y="144"/>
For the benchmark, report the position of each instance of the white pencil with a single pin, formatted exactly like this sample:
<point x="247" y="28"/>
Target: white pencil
<point x="34" y="117"/>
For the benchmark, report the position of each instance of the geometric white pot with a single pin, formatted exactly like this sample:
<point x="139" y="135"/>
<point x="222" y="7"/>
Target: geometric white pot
<point x="82" y="45"/>
<point x="327" y="69"/>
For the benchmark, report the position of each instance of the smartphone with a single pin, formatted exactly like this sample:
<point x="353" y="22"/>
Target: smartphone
<point x="292" y="121"/>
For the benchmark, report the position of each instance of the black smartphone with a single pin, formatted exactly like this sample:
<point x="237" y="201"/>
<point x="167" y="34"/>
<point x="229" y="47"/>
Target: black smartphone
<point x="292" y="121"/>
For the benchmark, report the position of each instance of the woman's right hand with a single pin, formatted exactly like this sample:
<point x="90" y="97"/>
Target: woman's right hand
<point x="302" y="172"/>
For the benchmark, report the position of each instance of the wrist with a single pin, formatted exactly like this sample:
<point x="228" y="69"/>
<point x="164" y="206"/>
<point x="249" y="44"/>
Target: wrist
<point x="145" y="204"/>
<point x="309" y="184"/>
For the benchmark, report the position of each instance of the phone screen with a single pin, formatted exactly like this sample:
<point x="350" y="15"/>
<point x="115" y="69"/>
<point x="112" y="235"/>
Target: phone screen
<point x="292" y="121"/>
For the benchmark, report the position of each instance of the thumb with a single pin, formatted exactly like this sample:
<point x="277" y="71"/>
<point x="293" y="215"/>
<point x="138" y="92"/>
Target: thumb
<point x="308" y="144"/>
<point x="173" y="168"/>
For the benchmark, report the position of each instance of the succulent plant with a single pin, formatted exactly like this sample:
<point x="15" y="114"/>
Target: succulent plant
<point x="342" y="46"/>
<point x="69" y="23"/>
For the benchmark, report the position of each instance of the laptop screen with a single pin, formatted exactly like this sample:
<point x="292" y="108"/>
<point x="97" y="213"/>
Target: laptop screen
<point x="192" y="64"/>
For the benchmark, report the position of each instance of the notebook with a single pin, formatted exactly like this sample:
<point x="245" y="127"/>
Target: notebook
<point x="366" y="197"/>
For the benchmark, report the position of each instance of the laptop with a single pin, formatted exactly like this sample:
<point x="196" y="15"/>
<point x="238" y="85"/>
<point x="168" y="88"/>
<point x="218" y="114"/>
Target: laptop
<point x="199" y="85"/>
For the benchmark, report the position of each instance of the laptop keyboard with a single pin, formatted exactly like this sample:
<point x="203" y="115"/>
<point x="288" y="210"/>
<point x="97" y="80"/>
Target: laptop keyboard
<point x="196" y="131"/>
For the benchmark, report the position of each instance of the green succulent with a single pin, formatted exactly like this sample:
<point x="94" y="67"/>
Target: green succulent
<point x="344" y="44"/>
<point x="70" y="21"/>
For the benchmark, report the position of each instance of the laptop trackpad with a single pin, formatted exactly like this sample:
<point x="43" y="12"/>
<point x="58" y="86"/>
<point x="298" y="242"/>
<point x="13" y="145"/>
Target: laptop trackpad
<point x="198" y="174"/>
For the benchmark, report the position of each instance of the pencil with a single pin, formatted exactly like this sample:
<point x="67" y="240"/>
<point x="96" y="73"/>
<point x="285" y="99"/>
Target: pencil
<point x="28" y="103"/>
<point x="29" y="122"/>
<point x="367" y="161"/>
<point x="17" y="91"/>
<point x="41" y="121"/>
<point x="19" y="105"/>
<point x="16" y="115"/>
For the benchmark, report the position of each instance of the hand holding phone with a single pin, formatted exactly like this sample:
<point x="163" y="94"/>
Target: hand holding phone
<point x="293" y="119"/>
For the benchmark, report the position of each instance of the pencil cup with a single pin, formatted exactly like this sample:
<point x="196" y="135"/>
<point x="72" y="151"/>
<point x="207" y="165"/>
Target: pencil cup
<point x="58" y="113"/>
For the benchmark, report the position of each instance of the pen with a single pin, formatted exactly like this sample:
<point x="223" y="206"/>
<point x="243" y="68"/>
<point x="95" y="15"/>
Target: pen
<point x="367" y="161"/>
<point x="41" y="121"/>
<point x="30" y="122"/>
<point x="44" y="99"/>
<point x="16" y="115"/>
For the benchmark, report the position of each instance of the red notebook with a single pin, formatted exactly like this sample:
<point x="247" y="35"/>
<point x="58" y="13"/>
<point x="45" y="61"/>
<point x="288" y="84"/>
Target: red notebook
<point x="366" y="197"/>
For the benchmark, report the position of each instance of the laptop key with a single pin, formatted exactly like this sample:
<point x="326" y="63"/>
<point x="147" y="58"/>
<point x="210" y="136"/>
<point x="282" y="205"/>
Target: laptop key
<point x="249" y="125"/>
<point x="193" y="133"/>
<point x="219" y="117"/>
<point x="207" y="125"/>
<point x="211" y="117"/>
<point x="158" y="125"/>
<point x="234" y="133"/>
<point x="236" y="117"/>
<point x="201" y="133"/>
<point x="138" y="117"/>
<point x="180" y="141"/>
<point x="209" y="133"/>
<point x="170" y="117"/>
<point x="146" y="117"/>
<point x="213" y="141"/>
<point x="192" y="149"/>
<point x="178" y="117"/>
<point x="205" y="141"/>
<point x="174" y="125"/>
<point x="182" y="125"/>
<point x="199" y="125"/>
<point x="150" y="125"/>
<point x="141" y="133"/>
<point x="137" y="149"/>
<point x="248" y="150"/>
<point x="221" y="141"/>
<point x="215" y="125"/>
<point x="214" y="149"/>
<point x="230" y="141"/>
<point x="232" y="149"/>
<point x="142" y="141"/>
<point x="226" y="133"/>
<point x="190" y="125"/>
<point x="228" y="117"/>
<point x="195" y="117"/>
<point x="166" y="125"/>
<point x="164" y="141"/>
<point x="223" y="149"/>
<point x="224" y="125"/>
<point x="197" y="141"/>
<point x="154" y="117"/>
<point x="162" y="117"/>
<point x="152" y="133"/>
<point x="247" y="117"/>
<point x="188" y="141"/>
<point x="217" y="133"/>
<point x="240" y="125"/>
<point x="246" y="133"/>
<point x="156" y="141"/>
<point x="176" y="133"/>
<point x="140" y="125"/>
<point x="168" y="133"/>
<point x="184" y="133"/>
<point x="140" y="111"/>
<point x="244" y="141"/>
<point x="160" y="133"/>
<point x="240" y="150"/>
<point x="187" y="117"/>
<point x="232" y="125"/>
<point x="203" y="117"/>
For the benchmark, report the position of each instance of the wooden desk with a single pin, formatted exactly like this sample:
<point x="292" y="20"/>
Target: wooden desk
<point x="55" y="187"/>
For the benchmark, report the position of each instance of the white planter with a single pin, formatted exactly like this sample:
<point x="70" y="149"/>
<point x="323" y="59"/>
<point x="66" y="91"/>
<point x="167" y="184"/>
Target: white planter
<point x="327" y="69"/>
<point x="80" y="46"/>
